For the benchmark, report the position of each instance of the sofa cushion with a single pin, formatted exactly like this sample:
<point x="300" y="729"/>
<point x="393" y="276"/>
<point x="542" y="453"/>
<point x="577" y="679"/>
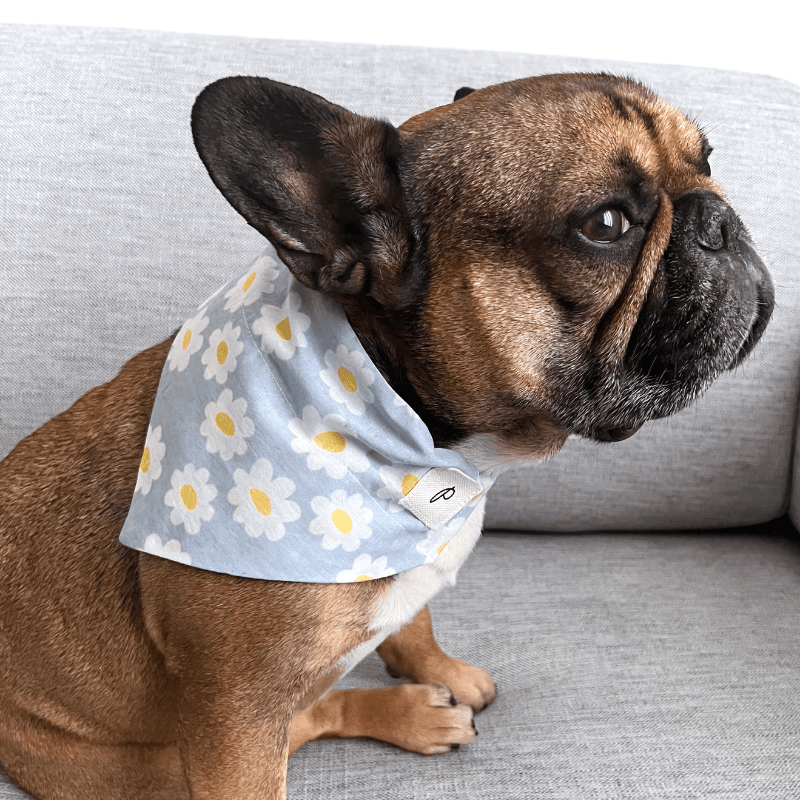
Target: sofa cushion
<point x="628" y="666"/>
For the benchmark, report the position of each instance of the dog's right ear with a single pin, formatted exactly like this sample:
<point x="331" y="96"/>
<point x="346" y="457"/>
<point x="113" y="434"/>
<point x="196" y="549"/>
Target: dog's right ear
<point x="320" y="182"/>
<point x="462" y="92"/>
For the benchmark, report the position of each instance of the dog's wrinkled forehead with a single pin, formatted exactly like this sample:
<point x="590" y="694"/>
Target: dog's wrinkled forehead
<point x="578" y="136"/>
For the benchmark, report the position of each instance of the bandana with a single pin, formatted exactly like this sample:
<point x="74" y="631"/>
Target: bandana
<point x="276" y="449"/>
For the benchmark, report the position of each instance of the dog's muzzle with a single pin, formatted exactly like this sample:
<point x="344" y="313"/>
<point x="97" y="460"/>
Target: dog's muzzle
<point x="707" y="307"/>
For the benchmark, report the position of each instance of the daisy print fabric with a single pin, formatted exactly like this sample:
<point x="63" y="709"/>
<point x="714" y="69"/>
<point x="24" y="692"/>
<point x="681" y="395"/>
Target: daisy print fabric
<point x="328" y="444"/>
<point x="226" y="427"/>
<point x="257" y="280"/>
<point x="261" y="501"/>
<point x="341" y="521"/>
<point x="365" y="569"/>
<point x="276" y="450"/>
<point x="150" y="464"/>
<point x="190" y="498"/>
<point x="188" y="341"/>
<point x="397" y="483"/>
<point x="348" y="379"/>
<point x="282" y="328"/>
<point x="220" y="358"/>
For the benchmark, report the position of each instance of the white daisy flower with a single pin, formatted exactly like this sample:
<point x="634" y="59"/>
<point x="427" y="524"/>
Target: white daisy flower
<point x="282" y="328"/>
<point x="150" y="464"/>
<point x="348" y="379"/>
<point x="187" y="342"/>
<point x="171" y="549"/>
<point x="398" y="401"/>
<point x="365" y="569"/>
<point x="226" y="426"/>
<point x="255" y="282"/>
<point x="260" y="500"/>
<point x="398" y="482"/>
<point x="190" y="498"/>
<point x="329" y="443"/>
<point x="341" y="520"/>
<point x="223" y="347"/>
<point x="437" y="540"/>
<point x="207" y="301"/>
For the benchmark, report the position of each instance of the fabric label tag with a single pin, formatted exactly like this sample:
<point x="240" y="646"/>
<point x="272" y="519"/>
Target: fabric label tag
<point x="439" y="495"/>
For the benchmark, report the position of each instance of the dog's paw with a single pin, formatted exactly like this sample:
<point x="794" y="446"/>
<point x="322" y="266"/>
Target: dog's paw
<point x="470" y="684"/>
<point x="430" y="720"/>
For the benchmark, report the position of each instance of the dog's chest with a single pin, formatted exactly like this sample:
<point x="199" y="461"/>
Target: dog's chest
<point x="414" y="588"/>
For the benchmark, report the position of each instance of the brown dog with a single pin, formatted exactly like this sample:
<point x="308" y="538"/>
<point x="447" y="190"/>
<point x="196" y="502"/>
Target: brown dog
<point x="539" y="258"/>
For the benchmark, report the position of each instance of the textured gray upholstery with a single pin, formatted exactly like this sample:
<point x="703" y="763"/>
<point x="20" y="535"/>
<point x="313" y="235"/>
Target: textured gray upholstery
<point x="629" y="665"/>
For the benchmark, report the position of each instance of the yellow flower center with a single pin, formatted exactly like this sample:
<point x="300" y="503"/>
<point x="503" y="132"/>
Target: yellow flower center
<point x="249" y="282"/>
<point x="341" y="519"/>
<point x="225" y="423"/>
<point x="348" y="379"/>
<point x="442" y="547"/>
<point x="189" y="496"/>
<point x="284" y="329"/>
<point x="187" y="337"/>
<point x="145" y="463"/>
<point x="222" y="352"/>
<point x="363" y="578"/>
<point x="261" y="502"/>
<point x="331" y="441"/>
<point x="408" y="483"/>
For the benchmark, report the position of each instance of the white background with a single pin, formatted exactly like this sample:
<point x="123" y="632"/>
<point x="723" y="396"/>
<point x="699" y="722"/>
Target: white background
<point x="756" y="36"/>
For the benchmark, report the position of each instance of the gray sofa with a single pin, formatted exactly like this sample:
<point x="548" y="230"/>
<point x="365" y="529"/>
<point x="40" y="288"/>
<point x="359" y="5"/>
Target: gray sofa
<point x="637" y="603"/>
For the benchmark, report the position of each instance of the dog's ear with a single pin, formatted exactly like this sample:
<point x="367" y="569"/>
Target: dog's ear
<point x="462" y="92"/>
<point x="318" y="181"/>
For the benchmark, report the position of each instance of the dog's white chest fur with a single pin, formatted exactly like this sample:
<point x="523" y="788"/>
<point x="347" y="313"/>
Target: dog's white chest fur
<point x="414" y="588"/>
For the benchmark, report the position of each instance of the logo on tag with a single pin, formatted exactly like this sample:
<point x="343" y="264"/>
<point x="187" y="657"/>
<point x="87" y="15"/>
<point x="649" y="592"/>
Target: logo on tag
<point x="439" y="495"/>
<point x="445" y="494"/>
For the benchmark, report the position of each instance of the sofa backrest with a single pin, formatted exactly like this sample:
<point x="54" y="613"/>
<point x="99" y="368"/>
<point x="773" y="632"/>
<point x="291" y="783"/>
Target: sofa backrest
<point x="111" y="233"/>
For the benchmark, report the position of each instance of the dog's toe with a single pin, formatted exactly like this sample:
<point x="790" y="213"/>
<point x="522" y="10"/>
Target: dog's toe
<point x="470" y="684"/>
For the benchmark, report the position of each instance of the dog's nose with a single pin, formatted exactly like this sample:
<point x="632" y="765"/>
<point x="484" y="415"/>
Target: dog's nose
<point x="718" y="223"/>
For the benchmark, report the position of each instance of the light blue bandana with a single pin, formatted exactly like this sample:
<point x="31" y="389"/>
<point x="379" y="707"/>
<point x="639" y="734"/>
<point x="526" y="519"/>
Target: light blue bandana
<point x="276" y="450"/>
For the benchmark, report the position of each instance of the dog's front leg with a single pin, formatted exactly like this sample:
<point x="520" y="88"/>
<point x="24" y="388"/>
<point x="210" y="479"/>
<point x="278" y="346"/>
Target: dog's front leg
<point x="422" y="719"/>
<point x="413" y="652"/>
<point x="430" y="716"/>
<point x="230" y="746"/>
<point x="241" y="656"/>
<point x="236" y="673"/>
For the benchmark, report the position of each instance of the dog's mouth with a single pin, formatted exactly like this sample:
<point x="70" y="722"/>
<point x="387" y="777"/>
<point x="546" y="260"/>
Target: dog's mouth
<point x="758" y="323"/>
<point x="761" y="316"/>
<point x="615" y="434"/>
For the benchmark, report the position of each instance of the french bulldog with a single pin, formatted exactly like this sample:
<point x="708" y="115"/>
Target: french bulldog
<point x="538" y="259"/>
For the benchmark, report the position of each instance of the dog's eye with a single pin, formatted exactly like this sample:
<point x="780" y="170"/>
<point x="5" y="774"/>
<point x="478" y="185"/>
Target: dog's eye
<point x="605" y="226"/>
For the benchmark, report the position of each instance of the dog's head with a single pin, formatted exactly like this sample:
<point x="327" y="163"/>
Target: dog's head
<point x="538" y="258"/>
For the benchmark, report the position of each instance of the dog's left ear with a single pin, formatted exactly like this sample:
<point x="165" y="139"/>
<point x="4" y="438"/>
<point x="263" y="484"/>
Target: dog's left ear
<point x="318" y="181"/>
